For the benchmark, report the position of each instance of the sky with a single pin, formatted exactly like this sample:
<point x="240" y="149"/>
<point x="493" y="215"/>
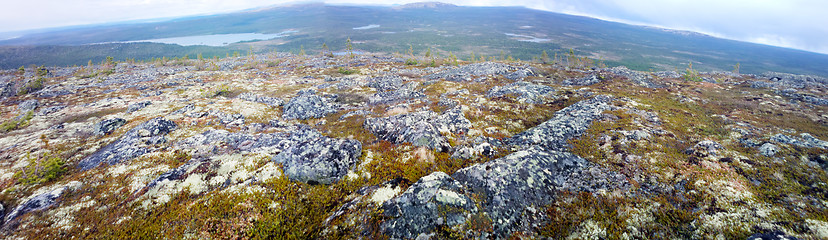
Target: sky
<point x="799" y="24"/>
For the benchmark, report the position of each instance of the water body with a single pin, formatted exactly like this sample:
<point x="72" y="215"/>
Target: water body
<point x="216" y="40"/>
<point x="527" y="38"/>
<point x="367" y="27"/>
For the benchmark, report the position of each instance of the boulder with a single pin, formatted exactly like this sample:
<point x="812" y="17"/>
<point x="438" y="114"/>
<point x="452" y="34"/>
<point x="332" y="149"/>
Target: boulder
<point x="705" y="148"/>
<point x="406" y="92"/>
<point x="137" y="106"/>
<point x="321" y="160"/>
<point x="40" y="201"/>
<point x="432" y="201"/>
<point x="136" y="142"/>
<point x="416" y="128"/>
<point x="805" y="140"/>
<point x="467" y="72"/>
<point x="524" y="92"/>
<point x="773" y="235"/>
<point x="386" y="83"/>
<point x="307" y="105"/>
<point x="584" y="81"/>
<point x="270" y="101"/>
<point x="107" y="126"/>
<point x="28" y="105"/>
<point x="567" y="123"/>
<point x="768" y="149"/>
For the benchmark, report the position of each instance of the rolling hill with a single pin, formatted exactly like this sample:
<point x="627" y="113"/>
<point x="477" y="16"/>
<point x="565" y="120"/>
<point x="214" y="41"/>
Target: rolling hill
<point x="496" y="32"/>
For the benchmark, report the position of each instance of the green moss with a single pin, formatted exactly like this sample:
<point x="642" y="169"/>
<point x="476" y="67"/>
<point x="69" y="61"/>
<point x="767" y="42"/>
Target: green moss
<point x="12" y="125"/>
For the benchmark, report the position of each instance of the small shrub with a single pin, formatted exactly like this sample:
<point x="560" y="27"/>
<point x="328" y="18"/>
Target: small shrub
<point x="346" y="71"/>
<point x="15" y="124"/>
<point x="411" y="62"/>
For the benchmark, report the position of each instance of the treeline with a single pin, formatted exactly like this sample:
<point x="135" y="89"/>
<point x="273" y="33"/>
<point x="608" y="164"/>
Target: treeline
<point x="12" y="57"/>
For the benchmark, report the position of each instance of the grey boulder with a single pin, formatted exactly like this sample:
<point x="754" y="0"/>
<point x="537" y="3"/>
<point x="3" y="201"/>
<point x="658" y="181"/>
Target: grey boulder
<point x="307" y="105"/>
<point x="136" y="142"/>
<point x="107" y="126"/>
<point x="322" y="160"/>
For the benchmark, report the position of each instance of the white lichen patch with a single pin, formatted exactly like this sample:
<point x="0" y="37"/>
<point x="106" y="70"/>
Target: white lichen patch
<point x="141" y="178"/>
<point x="64" y="216"/>
<point x="589" y="230"/>
<point x="385" y="193"/>
<point x="818" y="228"/>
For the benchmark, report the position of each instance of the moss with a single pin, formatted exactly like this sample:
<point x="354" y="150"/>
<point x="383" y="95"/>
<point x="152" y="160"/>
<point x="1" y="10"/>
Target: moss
<point x="12" y="125"/>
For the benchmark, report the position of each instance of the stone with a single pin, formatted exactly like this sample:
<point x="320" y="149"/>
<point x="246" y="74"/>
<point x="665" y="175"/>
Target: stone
<point x="768" y="149"/>
<point x="49" y="110"/>
<point x="521" y="74"/>
<point x="584" y="81"/>
<point x="705" y="148"/>
<point x="321" y="160"/>
<point x="270" y="101"/>
<point x="774" y="235"/>
<point x="466" y="73"/>
<point x="524" y="92"/>
<point x="453" y="121"/>
<point x="136" y="142"/>
<point x="565" y="124"/>
<point x="406" y="92"/>
<point x="385" y="83"/>
<point x="416" y="128"/>
<point x="307" y="105"/>
<point x="805" y="140"/>
<point x="510" y="189"/>
<point x="212" y="142"/>
<point x="107" y="126"/>
<point x="432" y="201"/>
<point x="40" y="201"/>
<point x="28" y="105"/>
<point x="137" y="106"/>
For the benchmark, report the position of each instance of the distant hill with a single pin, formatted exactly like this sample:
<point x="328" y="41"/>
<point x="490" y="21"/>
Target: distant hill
<point x="496" y="32"/>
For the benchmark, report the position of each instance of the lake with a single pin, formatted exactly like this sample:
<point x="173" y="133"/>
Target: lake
<point x="216" y="40"/>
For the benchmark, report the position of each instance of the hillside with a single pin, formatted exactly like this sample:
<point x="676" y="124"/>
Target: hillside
<point x="494" y="33"/>
<point x="371" y="146"/>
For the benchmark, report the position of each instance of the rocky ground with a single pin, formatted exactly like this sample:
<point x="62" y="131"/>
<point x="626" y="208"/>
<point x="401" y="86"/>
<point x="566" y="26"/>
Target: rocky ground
<point x="375" y="146"/>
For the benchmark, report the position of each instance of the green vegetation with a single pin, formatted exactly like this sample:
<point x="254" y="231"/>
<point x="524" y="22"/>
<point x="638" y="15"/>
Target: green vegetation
<point x="11" y="125"/>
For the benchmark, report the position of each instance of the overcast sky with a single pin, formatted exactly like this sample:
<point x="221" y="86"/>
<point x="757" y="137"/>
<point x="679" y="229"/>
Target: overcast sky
<point x="800" y="24"/>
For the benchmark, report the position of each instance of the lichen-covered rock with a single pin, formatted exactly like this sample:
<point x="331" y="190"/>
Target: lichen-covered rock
<point x="137" y="106"/>
<point x="523" y="179"/>
<point x="307" y="105"/>
<point x="406" y="92"/>
<point x="213" y="142"/>
<point x="514" y="188"/>
<point x="432" y="201"/>
<point x="636" y="77"/>
<point x="466" y="72"/>
<point x="584" y="81"/>
<point x="320" y="160"/>
<point x="416" y="128"/>
<point x="270" y="101"/>
<point x="136" y="142"/>
<point x="774" y="235"/>
<point x="567" y="123"/>
<point x="385" y="83"/>
<point x="453" y="121"/>
<point x="523" y="91"/>
<point x="39" y="202"/>
<point x="520" y="74"/>
<point x="28" y="105"/>
<point x="107" y="126"/>
<point x="705" y="148"/>
<point x="768" y="149"/>
<point x="804" y="140"/>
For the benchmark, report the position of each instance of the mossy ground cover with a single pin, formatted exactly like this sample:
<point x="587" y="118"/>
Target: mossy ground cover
<point x="675" y="194"/>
